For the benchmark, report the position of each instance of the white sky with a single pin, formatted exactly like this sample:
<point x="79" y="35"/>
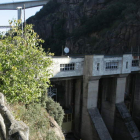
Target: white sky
<point x="6" y="15"/>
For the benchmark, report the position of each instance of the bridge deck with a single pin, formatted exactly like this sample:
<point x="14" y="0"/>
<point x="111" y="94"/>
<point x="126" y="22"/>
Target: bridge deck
<point x="28" y="4"/>
<point x="5" y="26"/>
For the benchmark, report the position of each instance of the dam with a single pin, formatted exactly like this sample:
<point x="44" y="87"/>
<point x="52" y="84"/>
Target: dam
<point x="100" y="95"/>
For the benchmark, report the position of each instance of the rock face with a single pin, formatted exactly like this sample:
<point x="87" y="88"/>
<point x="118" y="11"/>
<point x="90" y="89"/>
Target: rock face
<point x="123" y="39"/>
<point x="10" y="128"/>
<point x="54" y="127"/>
<point x="89" y="26"/>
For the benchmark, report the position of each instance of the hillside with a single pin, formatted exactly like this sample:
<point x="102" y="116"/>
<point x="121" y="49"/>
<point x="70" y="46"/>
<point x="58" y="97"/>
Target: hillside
<point x="89" y="27"/>
<point x="20" y="123"/>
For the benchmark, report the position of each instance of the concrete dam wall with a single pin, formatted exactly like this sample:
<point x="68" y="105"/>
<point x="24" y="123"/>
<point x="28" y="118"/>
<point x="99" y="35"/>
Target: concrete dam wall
<point x="102" y="93"/>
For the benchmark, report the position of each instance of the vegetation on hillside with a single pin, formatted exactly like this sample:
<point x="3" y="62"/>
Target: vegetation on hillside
<point x="113" y="13"/>
<point x="37" y="118"/>
<point x="47" y="9"/>
<point x="56" y="41"/>
<point x="106" y="18"/>
<point x="59" y="35"/>
<point x="55" y="110"/>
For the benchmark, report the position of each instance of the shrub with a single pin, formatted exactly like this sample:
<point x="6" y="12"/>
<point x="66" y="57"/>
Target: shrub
<point x="55" y="110"/>
<point x="51" y="136"/>
<point x="35" y="117"/>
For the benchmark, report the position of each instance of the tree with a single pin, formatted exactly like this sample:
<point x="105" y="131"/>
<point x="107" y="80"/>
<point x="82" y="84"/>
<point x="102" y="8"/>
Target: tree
<point x="24" y="79"/>
<point x="24" y="76"/>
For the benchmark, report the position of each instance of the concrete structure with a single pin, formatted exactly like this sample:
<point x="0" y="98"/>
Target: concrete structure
<point x="97" y="65"/>
<point x="5" y="26"/>
<point x="96" y="85"/>
<point x="58" y="61"/>
<point x="21" y="5"/>
<point x="19" y="10"/>
<point x="128" y="129"/>
<point x="28" y="4"/>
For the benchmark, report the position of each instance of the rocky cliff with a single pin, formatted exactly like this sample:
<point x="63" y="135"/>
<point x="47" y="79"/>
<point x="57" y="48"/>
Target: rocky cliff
<point x="89" y="26"/>
<point x="13" y="129"/>
<point x="10" y="128"/>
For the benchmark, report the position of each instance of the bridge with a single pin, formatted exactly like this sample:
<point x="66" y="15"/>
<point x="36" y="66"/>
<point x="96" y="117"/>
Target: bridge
<point x="21" y="5"/>
<point x="103" y="93"/>
<point x="28" y="4"/>
<point x="5" y="26"/>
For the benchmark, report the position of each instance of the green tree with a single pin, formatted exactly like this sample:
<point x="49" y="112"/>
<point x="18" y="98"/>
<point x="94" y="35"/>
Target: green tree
<point x="24" y="76"/>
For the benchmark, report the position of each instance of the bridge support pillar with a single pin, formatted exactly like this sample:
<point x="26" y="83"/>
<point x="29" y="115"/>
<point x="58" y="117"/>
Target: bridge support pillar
<point x="19" y="12"/>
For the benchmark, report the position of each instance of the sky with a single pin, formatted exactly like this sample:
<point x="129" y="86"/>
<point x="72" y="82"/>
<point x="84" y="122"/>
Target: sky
<point x="6" y="15"/>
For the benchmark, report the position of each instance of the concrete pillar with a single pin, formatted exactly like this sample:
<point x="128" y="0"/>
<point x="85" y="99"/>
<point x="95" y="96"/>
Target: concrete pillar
<point x="92" y="125"/>
<point x="108" y="91"/>
<point x="112" y="91"/>
<point x="19" y="13"/>
<point x="77" y="110"/>
<point x="90" y="97"/>
<point x="68" y="93"/>
<point x="124" y="126"/>
<point x="120" y="89"/>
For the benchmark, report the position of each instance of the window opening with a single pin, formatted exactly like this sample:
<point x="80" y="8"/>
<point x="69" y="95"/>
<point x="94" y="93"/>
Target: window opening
<point x="126" y="65"/>
<point x="135" y="63"/>
<point x="67" y="67"/>
<point x="111" y="65"/>
<point x="98" y="65"/>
